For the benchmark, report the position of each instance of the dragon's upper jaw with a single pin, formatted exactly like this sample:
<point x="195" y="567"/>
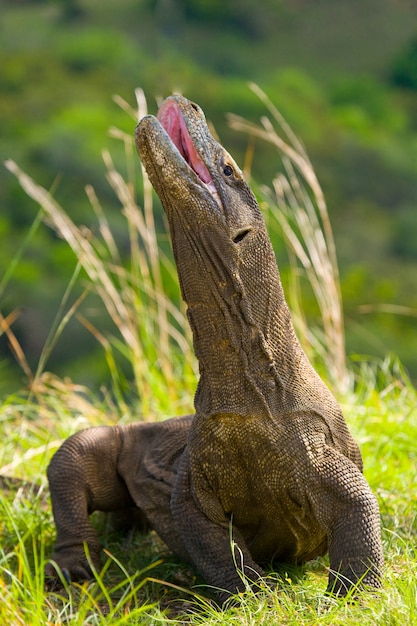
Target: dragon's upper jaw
<point x="171" y="118"/>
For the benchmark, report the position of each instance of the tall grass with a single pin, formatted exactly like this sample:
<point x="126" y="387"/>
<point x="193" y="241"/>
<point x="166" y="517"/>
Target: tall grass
<point x="150" y="330"/>
<point x="297" y="204"/>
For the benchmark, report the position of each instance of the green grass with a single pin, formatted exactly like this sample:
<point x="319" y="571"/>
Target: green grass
<point x="141" y="583"/>
<point x="382" y="416"/>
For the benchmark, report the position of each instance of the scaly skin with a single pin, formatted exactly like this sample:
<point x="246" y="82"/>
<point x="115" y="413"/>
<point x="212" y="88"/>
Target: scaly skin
<point x="268" y="457"/>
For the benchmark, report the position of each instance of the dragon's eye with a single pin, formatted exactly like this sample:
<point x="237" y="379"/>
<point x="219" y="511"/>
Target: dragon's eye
<point x="228" y="171"/>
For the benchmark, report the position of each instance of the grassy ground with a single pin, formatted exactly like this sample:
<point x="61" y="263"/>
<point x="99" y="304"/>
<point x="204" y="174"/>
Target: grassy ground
<point x="141" y="583"/>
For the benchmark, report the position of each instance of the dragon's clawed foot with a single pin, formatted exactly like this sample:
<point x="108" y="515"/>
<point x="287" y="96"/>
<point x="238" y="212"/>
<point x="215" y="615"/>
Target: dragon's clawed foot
<point x="70" y="565"/>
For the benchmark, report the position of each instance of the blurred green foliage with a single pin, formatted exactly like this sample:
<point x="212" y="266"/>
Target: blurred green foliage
<point x="342" y="74"/>
<point x="404" y="70"/>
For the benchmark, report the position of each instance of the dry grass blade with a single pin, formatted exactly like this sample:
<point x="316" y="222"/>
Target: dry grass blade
<point x="5" y="327"/>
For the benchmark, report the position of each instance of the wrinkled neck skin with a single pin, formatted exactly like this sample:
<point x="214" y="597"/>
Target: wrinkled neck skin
<point x="249" y="358"/>
<point x="243" y="336"/>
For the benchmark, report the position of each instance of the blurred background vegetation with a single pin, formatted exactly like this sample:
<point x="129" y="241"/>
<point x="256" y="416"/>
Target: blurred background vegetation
<point x="344" y="75"/>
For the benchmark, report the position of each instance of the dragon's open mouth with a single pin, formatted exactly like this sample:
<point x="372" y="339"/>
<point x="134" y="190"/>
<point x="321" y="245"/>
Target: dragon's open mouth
<point x="171" y="118"/>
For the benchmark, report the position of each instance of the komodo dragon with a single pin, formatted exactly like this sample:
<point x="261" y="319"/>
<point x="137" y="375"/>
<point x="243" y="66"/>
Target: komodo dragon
<point x="267" y="459"/>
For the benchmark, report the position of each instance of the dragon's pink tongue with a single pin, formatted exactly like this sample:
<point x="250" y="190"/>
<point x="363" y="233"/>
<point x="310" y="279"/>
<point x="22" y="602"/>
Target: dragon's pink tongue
<point x="171" y="118"/>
